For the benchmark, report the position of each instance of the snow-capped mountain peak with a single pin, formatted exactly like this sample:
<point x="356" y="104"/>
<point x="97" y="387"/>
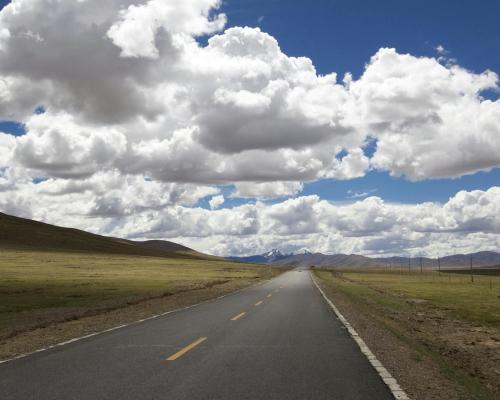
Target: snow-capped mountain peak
<point x="304" y="252"/>
<point x="273" y="253"/>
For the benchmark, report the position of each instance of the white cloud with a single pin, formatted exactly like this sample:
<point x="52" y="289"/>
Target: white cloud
<point x="62" y="148"/>
<point x="216" y="201"/>
<point x="352" y="194"/>
<point x="138" y="208"/>
<point x="440" y="49"/>
<point x="267" y="189"/>
<point x="137" y="30"/>
<point x="429" y="120"/>
<point x="353" y="165"/>
<point x="7" y="144"/>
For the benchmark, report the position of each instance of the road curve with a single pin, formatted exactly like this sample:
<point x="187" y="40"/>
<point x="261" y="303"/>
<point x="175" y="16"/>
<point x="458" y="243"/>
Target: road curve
<point x="278" y="340"/>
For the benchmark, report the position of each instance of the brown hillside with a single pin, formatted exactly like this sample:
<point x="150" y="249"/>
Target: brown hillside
<point x="25" y="234"/>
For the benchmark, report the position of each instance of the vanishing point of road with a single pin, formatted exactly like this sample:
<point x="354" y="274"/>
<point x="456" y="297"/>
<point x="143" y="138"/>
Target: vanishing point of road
<point x="277" y="340"/>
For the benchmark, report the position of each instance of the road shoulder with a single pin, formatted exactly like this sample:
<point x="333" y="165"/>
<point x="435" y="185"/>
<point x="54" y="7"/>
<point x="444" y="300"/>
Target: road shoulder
<point x="407" y="360"/>
<point x="384" y="374"/>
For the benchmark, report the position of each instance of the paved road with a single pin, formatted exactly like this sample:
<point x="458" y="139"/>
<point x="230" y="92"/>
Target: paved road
<point x="287" y="345"/>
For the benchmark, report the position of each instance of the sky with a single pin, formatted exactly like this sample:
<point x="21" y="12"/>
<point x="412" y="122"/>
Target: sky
<point x="239" y="126"/>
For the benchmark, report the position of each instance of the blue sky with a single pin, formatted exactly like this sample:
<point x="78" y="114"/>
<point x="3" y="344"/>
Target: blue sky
<point x="342" y="35"/>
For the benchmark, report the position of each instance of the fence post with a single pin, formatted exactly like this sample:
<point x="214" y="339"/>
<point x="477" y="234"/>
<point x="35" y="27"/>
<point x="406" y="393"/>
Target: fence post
<point x="471" y="274"/>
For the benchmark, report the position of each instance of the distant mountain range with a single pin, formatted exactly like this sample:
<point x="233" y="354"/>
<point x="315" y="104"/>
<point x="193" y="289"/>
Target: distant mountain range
<point x="319" y="260"/>
<point x="267" y="258"/>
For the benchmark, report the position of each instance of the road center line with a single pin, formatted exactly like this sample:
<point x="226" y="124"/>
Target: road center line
<point x="258" y="303"/>
<point x="183" y="351"/>
<point x="269" y="295"/>
<point x="238" y="316"/>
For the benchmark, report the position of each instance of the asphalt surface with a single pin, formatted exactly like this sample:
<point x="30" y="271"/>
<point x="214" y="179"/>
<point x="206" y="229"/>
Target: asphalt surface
<point x="290" y="346"/>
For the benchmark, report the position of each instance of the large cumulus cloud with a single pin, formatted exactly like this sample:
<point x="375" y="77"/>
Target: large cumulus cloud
<point x="135" y="69"/>
<point x="132" y="101"/>
<point x="430" y="120"/>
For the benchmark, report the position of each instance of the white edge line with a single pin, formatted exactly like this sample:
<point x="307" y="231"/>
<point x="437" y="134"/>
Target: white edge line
<point x="387" y="378"/>
<point x="134" y="322"/>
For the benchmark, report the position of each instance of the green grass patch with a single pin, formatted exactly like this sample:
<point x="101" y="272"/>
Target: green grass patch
<point x="38" y="286"/>
<point x="477" y="302"/>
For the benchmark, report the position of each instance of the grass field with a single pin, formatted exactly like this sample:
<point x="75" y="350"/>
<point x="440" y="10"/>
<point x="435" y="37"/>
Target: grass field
<point x="444" y="317"/>
<point x="37" y="288"/>
<point x="477" y="302"/>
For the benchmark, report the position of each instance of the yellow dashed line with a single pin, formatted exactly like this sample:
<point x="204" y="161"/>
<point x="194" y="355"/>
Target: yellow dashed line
<point x="258" y="303"/>
<point x="236" y="317"/>
<point x="183" y="351"/>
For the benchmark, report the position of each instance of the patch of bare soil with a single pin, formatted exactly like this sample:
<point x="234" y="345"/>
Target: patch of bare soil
<point x="423" y="348"/>
<point x="77" y="325"/>
<point x="474" y="350"/>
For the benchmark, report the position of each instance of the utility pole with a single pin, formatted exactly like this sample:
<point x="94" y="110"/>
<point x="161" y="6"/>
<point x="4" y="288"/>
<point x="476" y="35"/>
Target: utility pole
<point x="439" y="266"/>
<point x="471" y="275"/>
<point x="421" y="265"/>
<point x="409" y="265"/>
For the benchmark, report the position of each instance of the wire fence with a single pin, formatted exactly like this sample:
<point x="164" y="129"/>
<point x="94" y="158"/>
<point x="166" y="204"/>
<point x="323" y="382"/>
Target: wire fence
<point x="482" y="277"/>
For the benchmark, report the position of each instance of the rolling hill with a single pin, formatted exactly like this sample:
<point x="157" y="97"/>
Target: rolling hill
<point x="26" y="234"/>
